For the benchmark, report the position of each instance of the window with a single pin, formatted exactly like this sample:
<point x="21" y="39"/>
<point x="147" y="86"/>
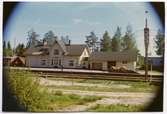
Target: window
<point x="52" y="62"/>
<point x="43" y="62"/>
<point x="56" y="52"/>
<point x="55" y="61"/>
<point x="59" y="61"/>
<point x="124" y="62"/>
<point x="71" y="63"/>
<point x="85" y="59"/>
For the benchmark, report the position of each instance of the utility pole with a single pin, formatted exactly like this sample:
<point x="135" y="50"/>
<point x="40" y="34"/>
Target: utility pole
<point x="146" y="42"/>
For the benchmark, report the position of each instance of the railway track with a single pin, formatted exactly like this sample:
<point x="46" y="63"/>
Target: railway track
<point x="93" y="75"/>
<point x="100" y="76"/>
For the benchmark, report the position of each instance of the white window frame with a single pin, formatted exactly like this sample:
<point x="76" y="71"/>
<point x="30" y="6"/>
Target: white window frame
<point x="56" y="52"/>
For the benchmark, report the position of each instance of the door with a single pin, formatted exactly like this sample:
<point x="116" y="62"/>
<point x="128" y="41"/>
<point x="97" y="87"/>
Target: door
<point x="97" y="66"/>
<point x="111" y="63"/>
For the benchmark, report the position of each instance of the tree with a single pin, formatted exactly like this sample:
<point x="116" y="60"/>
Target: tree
<point x="106" y="42"/>
<point x="9" y="46"/>
<point x="32" y="38"/>
<point x="159" y="41"/>
<point x="4" y="45"/>
<point x="65" y="39"/>
<point x="7" y="51"/>
<point x="116" y="40"/>
<point x="140" y="61"/>
<point x="92" y="42"/>
<point x="20" y="50"/>
<point x="49" y="37"/>
<point x="128" y="40"/>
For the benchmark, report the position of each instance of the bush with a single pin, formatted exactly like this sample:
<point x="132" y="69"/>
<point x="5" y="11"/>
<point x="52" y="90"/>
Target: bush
<point x="25" y="88"/>
<point x="89" y="99"/>
<point x="74" y="96"/>
<point x="59" y="93"/>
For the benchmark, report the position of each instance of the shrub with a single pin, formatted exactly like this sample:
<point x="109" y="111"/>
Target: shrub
<point x="59" y="93"/>
<point x="25" y="88"/>
<point x="74" y="96"/>
<point x="91" y="98"/>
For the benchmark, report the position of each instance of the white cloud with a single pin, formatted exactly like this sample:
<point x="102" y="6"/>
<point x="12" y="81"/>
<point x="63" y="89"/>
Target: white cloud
<point x="77" y="20"/>
<point x="91" y="23"/>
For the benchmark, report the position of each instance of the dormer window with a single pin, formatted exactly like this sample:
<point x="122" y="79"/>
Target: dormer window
<point x="56" y="52"/>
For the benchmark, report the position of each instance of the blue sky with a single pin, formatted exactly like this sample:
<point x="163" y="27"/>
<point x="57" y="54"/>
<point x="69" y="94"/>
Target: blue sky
<point x="78" y="19"/>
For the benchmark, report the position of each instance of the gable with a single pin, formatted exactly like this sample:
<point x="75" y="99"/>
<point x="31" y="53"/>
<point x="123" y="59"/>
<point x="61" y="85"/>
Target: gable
<point x="58" y="47"/>
<point x="85" y="53"/>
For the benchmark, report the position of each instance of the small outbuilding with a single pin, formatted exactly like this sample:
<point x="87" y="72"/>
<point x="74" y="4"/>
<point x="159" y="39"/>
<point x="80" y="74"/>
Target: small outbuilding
<point x="107" y="60"/>
<point x="17" y="61"/>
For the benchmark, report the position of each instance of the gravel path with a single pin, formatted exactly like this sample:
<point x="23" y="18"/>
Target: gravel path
<point x="47" y="82"/>
<point x="108" y="94"/>
<point x="127" y="98"/>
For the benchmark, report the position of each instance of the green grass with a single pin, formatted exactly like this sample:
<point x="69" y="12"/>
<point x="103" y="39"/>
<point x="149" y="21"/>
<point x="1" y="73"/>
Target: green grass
<point x="26" y="89"/>
<point x="117" y="108"/>
<point x="60" y="101"/>
<point x="24" y="86"/>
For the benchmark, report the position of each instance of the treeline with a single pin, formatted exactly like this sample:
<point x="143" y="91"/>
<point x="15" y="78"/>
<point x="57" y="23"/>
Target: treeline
<point x="117" y="42"/>
<point x="7" y="50"/>
<point x="18" y="51"/>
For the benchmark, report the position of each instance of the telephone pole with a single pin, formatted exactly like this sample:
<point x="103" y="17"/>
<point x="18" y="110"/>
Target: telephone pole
<point x="146" y="42"/>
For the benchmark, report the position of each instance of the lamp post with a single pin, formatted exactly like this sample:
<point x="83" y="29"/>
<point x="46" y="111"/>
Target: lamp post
<point x="146" y="42"/>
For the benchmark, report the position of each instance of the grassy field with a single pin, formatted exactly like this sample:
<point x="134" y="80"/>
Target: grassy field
<point x="117" y="108"/>
<point x="58" y="100"/>
<point x="25" y="88"/>
<point x="35" y="97"/>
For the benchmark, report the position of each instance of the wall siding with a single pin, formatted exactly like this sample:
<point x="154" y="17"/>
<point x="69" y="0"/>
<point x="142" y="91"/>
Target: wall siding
<point x="130" y="65"/>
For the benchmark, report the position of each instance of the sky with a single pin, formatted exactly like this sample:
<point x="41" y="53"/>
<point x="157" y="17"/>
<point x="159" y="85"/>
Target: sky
<point x="78" y="19"/>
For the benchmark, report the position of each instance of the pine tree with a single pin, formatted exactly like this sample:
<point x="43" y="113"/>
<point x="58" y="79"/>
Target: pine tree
<point x="92" y="42"/>
<point x="9" y="46"/>
<point x="49" y="34"/>
<point x="116" y="40"/>
<point x="4" y="44"/>
<point x="128" y="40"/>
<point x="20" y="50"/>
<point x="32" y="37"/>
<point x="7" y="51"/>
<point x="159" y="40"/>
<point x="106" y="42"/>
<point x="49" y="37"/>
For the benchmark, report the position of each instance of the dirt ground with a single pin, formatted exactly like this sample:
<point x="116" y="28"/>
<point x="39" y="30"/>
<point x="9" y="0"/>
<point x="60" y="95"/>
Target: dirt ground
<point x="127" y="98"/>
